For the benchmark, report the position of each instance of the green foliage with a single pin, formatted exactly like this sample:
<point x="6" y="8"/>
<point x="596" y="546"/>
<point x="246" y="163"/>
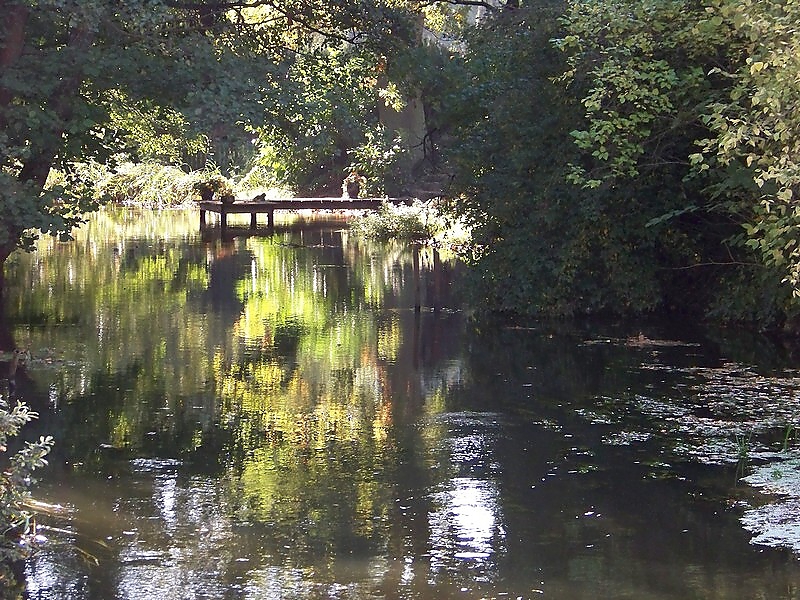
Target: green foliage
<point x="755" y="135"/>
<point x="638" y="71"/>
<point x="183" y="84"/>
<point x="259" y="177"/>
<point x="694" y="94"/>
<point x="149" y="132"/>
<point x="328" y="111"/>
<point x="214" y="184"/>
<point x="539" y="245"/>
<point x="447" y="21"/>
<point x="16" y="541"/>
<point x="148" y="185"/>
<point x="26" y="210"/>
<point x="155" y="186"/>
<point x="56" y="97"/>
<point x="682" y="161"/>
<point x="381" y="160"/>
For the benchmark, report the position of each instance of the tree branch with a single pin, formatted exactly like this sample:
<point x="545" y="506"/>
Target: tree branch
<point x="735" y="263"/>
<point x="478" y="3"/>
<point x="223" y="6"/>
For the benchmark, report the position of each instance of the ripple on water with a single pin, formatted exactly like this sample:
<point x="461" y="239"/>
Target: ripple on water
<point x="154" y="465"/>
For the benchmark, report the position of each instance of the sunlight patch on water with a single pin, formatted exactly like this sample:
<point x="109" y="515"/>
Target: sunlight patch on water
<point x="53" y="575"/>
<point x="467" y="524"/>
<point x="178" y="540"/>
<point x="466" y="518"/>
<point x="275" y="583"/>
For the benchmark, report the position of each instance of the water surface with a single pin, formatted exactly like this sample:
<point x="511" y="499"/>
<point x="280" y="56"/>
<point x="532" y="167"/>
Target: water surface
<point x="266" y="416"/>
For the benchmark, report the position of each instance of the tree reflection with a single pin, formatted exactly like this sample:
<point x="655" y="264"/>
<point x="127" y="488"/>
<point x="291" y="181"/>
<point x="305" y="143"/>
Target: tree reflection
<point x="243" y="392"/>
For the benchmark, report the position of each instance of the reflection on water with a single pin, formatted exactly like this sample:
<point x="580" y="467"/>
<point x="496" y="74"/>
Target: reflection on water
<point x="266" y="416"/>
<point x="467" y="515"/>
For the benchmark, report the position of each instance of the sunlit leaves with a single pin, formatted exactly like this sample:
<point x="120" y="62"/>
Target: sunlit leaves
<point x="98" y="78"/>
<point x="17" y="533"/>
<point x="756" y="128"/>
<point x="541" y="246"/>
<point x="621" y="58"/>
<point x="153" y="132"/>
<point x="696" y="94"/>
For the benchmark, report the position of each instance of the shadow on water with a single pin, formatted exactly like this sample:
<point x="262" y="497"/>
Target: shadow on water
<point x="268" y="417"/>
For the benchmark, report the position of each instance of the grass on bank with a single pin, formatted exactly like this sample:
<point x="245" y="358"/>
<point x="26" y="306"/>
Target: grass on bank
<point x="154" y="186"/>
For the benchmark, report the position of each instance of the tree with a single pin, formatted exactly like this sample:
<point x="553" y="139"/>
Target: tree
<point x="59" y="62"/>
<point x="696" y="95"/>
<point x="69" y="69"/>
<point x="755" y="132"/>
<point x="669" y="120"/>
<point x="540" y="245"/>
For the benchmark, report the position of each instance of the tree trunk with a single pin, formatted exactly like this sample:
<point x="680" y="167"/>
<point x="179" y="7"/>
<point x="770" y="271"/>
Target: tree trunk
<point x="7" y="341"/>
<point x="37" y="167"/>
<point x="15" y="17"/>
<point x="5" y="252"/>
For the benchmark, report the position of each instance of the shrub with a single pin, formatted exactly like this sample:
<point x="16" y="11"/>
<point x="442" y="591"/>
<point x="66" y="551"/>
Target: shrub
<point x="18" y="539"/>
<point x="420" y="222"/>
<point x="408" y="222"/>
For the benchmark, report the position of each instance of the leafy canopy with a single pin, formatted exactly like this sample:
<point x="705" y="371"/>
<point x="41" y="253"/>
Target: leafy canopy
<point x="89" y="80"/>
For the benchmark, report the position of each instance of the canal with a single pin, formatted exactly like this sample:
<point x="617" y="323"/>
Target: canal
<point x="267" y="416"/>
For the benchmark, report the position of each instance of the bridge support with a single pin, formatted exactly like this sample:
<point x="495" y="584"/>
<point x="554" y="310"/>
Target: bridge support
<point x="269" y="207"/>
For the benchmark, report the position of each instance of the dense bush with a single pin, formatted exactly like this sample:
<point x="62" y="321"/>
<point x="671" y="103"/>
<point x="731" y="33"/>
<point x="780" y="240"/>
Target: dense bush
<point x="629" y="157"/>
<point x="540" y="244"/>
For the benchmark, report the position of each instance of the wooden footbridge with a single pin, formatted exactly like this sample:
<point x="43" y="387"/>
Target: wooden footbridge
<point x="269" y="206"/>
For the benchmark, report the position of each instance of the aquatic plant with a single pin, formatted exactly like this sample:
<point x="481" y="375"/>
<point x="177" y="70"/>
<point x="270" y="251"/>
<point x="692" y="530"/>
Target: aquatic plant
<point x="791" y="431"/>
<point x="409" y="222"/>
<point x="743" y="445"/>
<point x="775" y="523"/>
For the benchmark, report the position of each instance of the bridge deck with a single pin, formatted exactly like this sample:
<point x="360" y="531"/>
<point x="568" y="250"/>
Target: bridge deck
<point x="255" y="207"/>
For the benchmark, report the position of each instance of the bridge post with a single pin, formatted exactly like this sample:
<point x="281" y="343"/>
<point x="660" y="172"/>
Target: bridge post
<point x="437" y="278"/>
<point x="417" y="275"/>
<point x="253" y="221"/>
<point x="271" y="218"/>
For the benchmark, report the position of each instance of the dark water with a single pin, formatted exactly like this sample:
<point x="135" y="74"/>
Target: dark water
<point x="267" y="417"/>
